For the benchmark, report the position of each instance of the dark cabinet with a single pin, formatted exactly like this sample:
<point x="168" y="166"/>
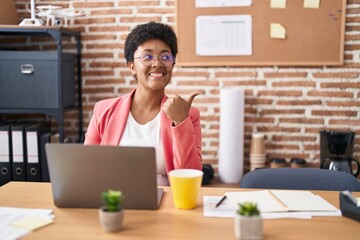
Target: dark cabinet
<point x="41" y="81"/>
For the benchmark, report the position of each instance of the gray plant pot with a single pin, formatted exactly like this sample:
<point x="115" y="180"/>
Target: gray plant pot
<point x="111" y="221"/>
<point x="248" y="227"/>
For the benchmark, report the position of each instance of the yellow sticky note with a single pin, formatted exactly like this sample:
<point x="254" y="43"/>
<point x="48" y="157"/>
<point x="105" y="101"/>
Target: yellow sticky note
<point x="311" y="3"/>
<point x="32" y="223"/>
<point x="277" y="31"/>
<point x="278" y="4"/>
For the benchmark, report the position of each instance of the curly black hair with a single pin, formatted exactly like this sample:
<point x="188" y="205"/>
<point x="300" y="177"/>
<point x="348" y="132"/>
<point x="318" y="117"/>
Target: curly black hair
<point x="148" y="31"/>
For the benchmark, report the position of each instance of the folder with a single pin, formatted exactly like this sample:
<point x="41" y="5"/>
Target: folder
<point x="33" y="150"/>
<point x="46" y="138"/>
<point x="18" y="152"/>
<point x="5" y="154"/>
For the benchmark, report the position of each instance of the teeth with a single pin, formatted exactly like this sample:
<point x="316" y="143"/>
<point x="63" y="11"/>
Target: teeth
<point x="156" y="74"/>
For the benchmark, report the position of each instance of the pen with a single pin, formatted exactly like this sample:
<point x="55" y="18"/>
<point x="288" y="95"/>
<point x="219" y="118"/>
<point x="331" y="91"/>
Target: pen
<point x="221" y="200"/>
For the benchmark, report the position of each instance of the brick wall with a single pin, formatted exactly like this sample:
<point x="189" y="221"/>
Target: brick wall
<point x="290" y="105"/>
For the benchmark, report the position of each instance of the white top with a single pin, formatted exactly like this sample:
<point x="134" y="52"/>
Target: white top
<point x="147" y="135"/>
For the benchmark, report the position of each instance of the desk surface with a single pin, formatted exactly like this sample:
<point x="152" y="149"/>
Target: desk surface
<point x="168" y="222"/>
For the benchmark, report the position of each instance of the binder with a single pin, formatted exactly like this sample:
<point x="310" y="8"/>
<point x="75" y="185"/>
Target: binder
<point x="5" y="154"/>
<point x="46" y="138"/>
<point x="33" y="150"/>
<point x="18" y="152"/>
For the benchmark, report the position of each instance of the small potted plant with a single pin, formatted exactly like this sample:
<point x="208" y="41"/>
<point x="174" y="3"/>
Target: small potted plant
<point x="248" y="222"/>
<point x="111" y="215"/>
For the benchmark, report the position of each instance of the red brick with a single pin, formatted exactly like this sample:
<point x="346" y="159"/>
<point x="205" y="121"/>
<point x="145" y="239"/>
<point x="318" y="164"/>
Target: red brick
<point x="340" y="85"/>
<point x="282" y="111"/>
<point x="93" y="4"/>
<point x="343" y="103"/>
<point x="140" y="19"/>
<point x="285" y="75"/>
<point x="301" y="120"/>
<point x="334" y="113"/>
<point x="293" y="84"/>
<point x="336" y="75"/>
<point x="109" y="29"/>
<point x="235" y="74"/>
<point x="330" y="94"/>
<point x="111" y="64"/>
<point x="244" y="83"/>
<point x="298" y="102"/>
<point x="355" y="122"/>
<point x="138" y="3"/>
<point x="155" y="10"/>
<point x="280" y="93"/>
<point x="285" y="138"/>
<point x="198" y="83"/>
<point x="98" y="37"/>
<point x="111" y="12"/>
<point x="94" y="20"/>
<point x="97" y="55"/>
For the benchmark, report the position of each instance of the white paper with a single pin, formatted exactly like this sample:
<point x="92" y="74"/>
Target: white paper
<point x="222" y="3"/>
<point x="225" y="210"/>
<point x="9" y="215"/>
<point x="224" y="35"/>
<point x="231" y="136"/>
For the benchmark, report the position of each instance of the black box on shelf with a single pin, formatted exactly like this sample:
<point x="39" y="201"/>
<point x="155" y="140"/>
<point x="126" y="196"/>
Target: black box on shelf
<point x="34" y="80"/>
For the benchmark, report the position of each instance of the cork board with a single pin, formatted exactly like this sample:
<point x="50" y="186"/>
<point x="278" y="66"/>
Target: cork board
<point x="314" y="37"/>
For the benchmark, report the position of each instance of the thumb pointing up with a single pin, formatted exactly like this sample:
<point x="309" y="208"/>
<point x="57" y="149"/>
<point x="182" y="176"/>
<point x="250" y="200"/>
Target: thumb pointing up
<point x="177" y="108"/>
<point x="192" y="96"/>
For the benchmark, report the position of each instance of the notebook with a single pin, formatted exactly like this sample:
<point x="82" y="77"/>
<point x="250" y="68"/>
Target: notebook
<point x="79" y="173"/>
<point x="282" y="201"/>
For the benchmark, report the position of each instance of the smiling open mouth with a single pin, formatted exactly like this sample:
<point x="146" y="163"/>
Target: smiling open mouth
<point x="156" y="74"/>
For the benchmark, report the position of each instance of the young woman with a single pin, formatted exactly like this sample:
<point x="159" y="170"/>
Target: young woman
<point x="146" y="116"/>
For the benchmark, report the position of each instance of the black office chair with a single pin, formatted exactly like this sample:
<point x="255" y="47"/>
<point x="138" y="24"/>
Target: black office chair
<point x="300" y="179"/>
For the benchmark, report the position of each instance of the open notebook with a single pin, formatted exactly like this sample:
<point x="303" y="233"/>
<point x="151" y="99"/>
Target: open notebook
<point x="281" y="201"/>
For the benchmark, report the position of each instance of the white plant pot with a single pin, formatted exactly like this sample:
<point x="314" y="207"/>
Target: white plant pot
<point x="248" y="227"/>
<point x="111" y="221"/>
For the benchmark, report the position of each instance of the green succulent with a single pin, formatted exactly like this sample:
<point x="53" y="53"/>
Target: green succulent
<point x="248" y="209"/>
<point x="113" y="200"/>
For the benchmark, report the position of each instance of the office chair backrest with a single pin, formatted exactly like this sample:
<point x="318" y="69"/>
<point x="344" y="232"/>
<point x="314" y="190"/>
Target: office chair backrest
<point x="300" y="179"/>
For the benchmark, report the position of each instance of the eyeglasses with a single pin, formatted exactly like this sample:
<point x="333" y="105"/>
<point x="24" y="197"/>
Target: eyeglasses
<point x="147" y="59"/>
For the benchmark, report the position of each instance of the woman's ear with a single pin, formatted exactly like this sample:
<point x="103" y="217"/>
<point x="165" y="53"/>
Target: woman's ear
<point x="131" y="65"/>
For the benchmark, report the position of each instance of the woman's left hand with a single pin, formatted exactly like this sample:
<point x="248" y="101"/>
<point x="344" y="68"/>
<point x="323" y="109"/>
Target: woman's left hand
<point x="177" y="108"/>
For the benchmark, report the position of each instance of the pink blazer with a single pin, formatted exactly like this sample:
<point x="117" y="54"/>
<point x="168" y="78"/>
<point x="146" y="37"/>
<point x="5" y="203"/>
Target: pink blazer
<point x="182" y="143"/>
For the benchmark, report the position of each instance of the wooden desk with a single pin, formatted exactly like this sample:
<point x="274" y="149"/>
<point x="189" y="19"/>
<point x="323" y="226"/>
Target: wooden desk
<point x="168" y="222"/>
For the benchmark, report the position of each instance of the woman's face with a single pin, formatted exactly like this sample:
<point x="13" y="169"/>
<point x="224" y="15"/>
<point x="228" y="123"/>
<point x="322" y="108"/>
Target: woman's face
<point x="152" y="74"/>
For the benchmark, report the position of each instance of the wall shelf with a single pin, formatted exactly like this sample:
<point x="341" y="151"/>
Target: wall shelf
<point x="52" y="68"/>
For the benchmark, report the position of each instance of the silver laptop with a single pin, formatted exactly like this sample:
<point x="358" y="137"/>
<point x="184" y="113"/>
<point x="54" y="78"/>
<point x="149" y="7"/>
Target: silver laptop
<point x="79" y="173"/>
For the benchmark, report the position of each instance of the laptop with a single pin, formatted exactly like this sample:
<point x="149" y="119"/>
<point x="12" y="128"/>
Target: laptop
<point x="79" y="173"/>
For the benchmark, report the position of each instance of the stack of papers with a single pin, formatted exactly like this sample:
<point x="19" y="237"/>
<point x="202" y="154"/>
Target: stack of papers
<point x="18" y="222"/>
<point x="272" y="204"/>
